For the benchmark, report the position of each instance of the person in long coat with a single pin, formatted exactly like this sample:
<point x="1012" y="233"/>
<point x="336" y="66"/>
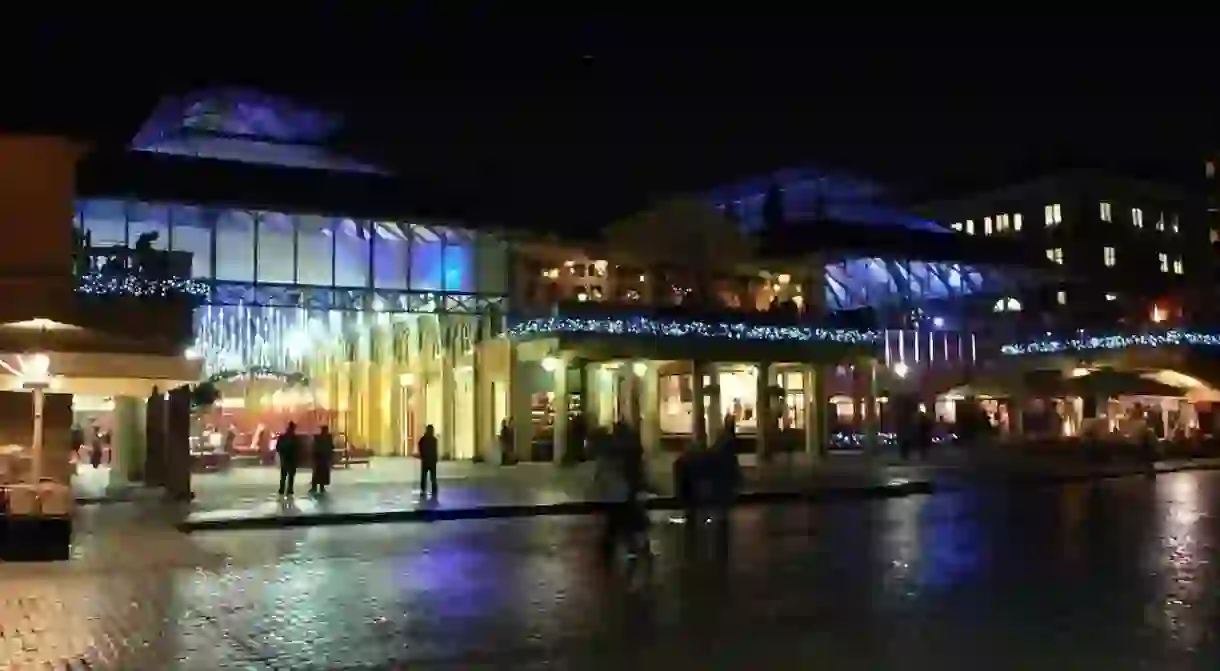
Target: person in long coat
<point x="323" y="460"/>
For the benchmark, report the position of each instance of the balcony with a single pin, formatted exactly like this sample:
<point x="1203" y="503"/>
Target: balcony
<point x="144" y="299"/>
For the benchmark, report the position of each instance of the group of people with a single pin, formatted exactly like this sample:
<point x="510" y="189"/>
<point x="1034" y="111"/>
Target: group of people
<point x="290" y="448"/>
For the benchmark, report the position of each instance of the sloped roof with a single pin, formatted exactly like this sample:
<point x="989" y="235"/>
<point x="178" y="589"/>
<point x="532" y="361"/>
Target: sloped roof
<point x="246" y="126"/>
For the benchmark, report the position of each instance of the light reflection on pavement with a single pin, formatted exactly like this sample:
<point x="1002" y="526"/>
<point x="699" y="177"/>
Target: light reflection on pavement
<point x="1117" y="575"/>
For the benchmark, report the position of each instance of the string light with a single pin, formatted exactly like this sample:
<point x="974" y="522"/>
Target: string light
<point x="97" y="284"/>
<point x="647" y="326"/>
<point x="1082" y="342"/>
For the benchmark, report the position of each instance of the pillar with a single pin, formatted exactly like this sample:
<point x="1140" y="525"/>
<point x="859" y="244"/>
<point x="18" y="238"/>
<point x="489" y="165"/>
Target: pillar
<point x="762" y="403"/>
<point x="486" y="432"/>
<point x="562" y="400"/>
<point x="1016" y="418"/>
<point x="124" y="440"/>
<point x="871" y="441"/>
<point x="650" y="408"/>
<point x="627" y="405"/>
<point x="154" y="439"/>
<point x="447" y="431"/>
<point x="816" y="421"/>
<point x="520" y="406"/>
<point x="178" y="446"/>
<point x="698" y="405"/>
<point x="715" y="413"/>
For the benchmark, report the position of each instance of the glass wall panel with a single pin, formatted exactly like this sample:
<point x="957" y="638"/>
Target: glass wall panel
<point x="427" y="259"/>
<point x="105" y="222"/>
<point x="235" y="246"/>
<point x="315" y="250"/>
<point x="191" y="234"/>
<point x="150" y="221"/>
<point x="459" y="262"/>
<point x="391" y="251"/>
<point x="492" y="261"/>
<point x="352" y="245"/>
<point x="276" y="253"/>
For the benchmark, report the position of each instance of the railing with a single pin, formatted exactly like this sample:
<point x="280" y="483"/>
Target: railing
<point x="124" y="272"/>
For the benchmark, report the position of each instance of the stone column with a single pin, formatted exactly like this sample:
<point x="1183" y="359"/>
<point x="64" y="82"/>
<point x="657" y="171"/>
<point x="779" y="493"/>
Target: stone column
<point x="447" y="431"/>
<point x="698" y="406"/>
<point x="762" y="408"/>
<point x="871" y="439"/>
<point x="154" y="439"/>
<point x="520" y="407"/>
<point x="486" y="444"/>
<point x="650" y="409"/>
<point x="177" y="444"/>
<point x="125" y="441"/>
<point x="816" y="422"/>
<point x="715" y="414"/>
<point x="562" y="400"/>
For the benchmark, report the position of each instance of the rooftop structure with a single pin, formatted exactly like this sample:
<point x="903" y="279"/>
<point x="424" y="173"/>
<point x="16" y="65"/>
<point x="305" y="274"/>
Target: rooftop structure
<point x="248" y="127"/>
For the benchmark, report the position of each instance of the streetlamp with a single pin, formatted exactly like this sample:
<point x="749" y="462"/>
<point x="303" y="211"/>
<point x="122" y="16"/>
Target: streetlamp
<point x="36" y="377"/>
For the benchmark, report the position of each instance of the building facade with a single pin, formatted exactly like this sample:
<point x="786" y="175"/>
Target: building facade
<point x="1133" y="251"/>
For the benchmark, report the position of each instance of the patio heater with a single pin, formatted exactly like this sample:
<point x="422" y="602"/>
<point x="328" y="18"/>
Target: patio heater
<point x="36" y="378"/>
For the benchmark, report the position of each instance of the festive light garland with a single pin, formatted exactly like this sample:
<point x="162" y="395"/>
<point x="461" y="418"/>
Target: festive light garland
<point x="1082" y="342"/>
<point x="647" y="326"/>
<point x="97" y="284"/>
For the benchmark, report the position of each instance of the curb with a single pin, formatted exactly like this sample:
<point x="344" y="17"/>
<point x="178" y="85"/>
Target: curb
<point x="815" y="496"/>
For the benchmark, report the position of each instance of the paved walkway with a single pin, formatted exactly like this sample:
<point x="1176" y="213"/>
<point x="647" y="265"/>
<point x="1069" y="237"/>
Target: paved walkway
<point x="477" y="491"/>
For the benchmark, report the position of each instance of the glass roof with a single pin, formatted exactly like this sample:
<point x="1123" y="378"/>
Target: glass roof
<point x="245" y="126"/>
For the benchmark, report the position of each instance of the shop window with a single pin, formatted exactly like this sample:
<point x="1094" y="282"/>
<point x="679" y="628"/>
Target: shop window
<point x="391" y="251"/>
<point x="352" y="246"/>
<point x="459" y="272"/>
<point x="235" y="246"/>
<point x="191" y="235"/>
<point x="427" y="259"/>
<point x="276" y="243"/>
<point x="105" y="222"/>
<point x="315" y="250"/>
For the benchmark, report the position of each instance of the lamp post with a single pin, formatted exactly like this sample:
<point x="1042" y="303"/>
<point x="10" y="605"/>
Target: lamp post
<point x="36" y="377"/>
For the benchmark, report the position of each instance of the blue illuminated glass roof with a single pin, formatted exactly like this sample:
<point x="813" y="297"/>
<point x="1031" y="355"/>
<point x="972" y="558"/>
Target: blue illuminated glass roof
<point x="245" y="126"/>
<point x="810" y="194"/>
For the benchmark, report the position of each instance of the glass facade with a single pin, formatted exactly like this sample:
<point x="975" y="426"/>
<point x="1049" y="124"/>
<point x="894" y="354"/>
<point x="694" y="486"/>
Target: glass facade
<point x="369" y="326"/>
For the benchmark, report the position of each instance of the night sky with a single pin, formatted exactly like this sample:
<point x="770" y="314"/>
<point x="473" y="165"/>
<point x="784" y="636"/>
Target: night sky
<point x="575" y="126"/>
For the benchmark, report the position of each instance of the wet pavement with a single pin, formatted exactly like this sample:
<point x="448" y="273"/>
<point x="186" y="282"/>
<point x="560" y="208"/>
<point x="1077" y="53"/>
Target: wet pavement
<point x="1115" y="574"/>
<point x="544" y="490"/>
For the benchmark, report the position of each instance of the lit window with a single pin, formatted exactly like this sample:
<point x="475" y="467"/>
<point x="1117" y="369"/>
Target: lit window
<point x="1016" y="221"/>
<point x="1007" y="305"/>
<point x="1055" y="254"/>
<point x="1106" y="214"/>
<point x="986" y="225"/>
<point x="1178" y="267"/>
<point x="1061" y="297"/>
<point x="1054" y="214"/>
<point x="1111" y="297"/>
<point x="1109" y="256"/>
<point x="1160" y="222"/>
<point x="1163" y="258"/>
<point x="957" y="226"/>
<point x="969" y="227"/>
<point x="1137" y="217"/>
<point x="1173" y="222"/>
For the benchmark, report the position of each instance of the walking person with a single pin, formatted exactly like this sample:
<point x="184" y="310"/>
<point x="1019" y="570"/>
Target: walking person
<point x="288" y="447"/>
<point x="429" y="454"/>
<point x="323" y="459"/>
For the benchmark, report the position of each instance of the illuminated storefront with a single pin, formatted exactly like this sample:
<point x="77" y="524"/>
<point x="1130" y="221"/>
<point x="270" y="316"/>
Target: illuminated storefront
<point x="369" y="326"/>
